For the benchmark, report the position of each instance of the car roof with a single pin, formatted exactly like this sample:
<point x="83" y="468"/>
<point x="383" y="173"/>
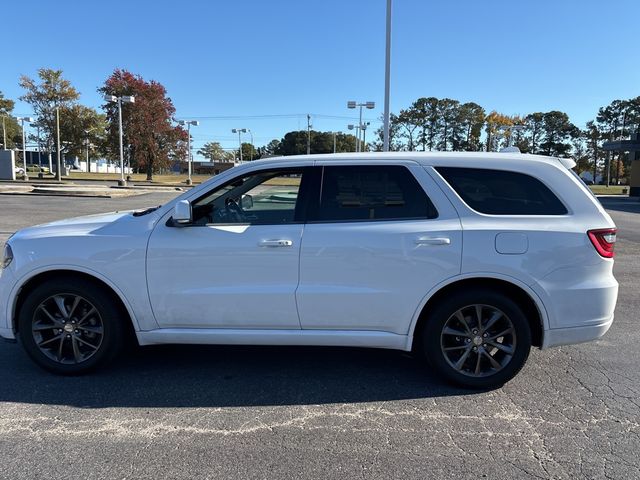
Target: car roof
<point x="424" y="158"/>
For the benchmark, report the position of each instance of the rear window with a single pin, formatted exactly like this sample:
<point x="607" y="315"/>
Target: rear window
<point x="499" y="192"/>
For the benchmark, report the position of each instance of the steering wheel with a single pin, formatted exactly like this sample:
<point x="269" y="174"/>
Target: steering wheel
<point x="234" y="211"/>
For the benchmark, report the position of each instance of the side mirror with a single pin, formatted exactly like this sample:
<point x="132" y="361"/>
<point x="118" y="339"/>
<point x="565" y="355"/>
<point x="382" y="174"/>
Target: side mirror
<point x="182" y="212"/>
<point x="246" y="202"/>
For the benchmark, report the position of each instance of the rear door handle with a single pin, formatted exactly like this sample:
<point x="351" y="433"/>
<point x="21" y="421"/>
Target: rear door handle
<point x="433" y="241"/>
<point x="275" y="243"/>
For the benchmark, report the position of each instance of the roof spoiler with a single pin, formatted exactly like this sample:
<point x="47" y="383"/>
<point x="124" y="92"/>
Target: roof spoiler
<point x="568" y="163"/>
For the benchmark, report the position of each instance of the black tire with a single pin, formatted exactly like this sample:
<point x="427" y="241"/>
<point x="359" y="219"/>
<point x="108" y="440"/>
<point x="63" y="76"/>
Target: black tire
<point x="97" y="337"/>
<point x="444" y="351"/>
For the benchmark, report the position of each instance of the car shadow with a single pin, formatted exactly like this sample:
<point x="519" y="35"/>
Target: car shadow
<point x="224" y="376"/>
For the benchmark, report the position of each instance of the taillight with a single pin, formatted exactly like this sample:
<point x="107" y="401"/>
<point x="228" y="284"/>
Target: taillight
<point x="604" y="240"/>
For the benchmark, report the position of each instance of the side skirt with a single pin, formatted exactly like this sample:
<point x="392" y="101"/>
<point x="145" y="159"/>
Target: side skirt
<point x="227" y="336"/>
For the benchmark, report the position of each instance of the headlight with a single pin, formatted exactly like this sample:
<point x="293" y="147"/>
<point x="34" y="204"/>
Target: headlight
<point x="7" y="256"/>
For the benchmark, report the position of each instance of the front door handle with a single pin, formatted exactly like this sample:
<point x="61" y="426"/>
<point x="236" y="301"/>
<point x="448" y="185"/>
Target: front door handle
<point x="275" y="243"/>
<point x="433" y="241"/>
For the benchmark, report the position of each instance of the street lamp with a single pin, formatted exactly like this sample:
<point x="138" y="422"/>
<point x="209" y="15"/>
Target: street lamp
<point x="38" y="125"/>
<point x="119" y="100"/>
<point x="251" y="135"/>
<point x="22" y="120"/>
<point x="368" y="105"/>
<point x="88" y="143"/>
<point x="363" y="128"/>
<point x="239" y="131"/>
<point x="188" y="123"/>
<point x="357" y="129"/>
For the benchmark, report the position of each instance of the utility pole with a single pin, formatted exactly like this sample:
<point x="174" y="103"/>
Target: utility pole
<point x="308" y="134"/>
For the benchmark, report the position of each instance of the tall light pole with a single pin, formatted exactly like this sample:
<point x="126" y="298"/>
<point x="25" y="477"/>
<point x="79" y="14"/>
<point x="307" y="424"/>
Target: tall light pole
<point x="119" y="100"/>
<point x="353" y="104"/>
<point x="239" y="131"/>
<point x="363" y="127"/>
<point x="37" y="125"/>
<point x="357" y="129"/>
<point x="58" y="162"/>
<point x="88" y="144"/>
<point x="188" y="123"/>
<point x="22" y="120"/>
<point x="387" y="80"/>
<point x="251" y="153"/>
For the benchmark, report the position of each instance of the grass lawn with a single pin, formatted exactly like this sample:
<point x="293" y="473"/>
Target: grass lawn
<point x="612" y="190"/>
<point x="137" y="177"/>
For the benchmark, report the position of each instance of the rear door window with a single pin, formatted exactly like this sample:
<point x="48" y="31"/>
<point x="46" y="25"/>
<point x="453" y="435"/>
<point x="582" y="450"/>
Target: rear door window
<point x="369" y="193"/>
<point x="501" y="192"/>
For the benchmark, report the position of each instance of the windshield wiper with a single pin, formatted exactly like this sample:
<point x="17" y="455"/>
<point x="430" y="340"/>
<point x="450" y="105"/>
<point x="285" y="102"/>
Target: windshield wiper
<point x="140" y="213"/>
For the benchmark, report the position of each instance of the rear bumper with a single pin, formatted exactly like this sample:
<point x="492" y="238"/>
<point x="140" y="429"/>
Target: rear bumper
<point x="568" y="336"/>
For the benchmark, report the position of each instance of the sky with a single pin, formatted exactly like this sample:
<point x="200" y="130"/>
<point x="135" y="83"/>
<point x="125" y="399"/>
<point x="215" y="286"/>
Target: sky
<point x="263" y="65"/>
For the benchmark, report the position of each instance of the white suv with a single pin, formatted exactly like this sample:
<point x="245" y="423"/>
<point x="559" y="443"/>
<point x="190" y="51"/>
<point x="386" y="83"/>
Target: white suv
<point x="467" y="258"/>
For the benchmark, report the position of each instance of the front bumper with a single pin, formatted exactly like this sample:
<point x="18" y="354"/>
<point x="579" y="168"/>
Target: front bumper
<point x="6" y="307"/>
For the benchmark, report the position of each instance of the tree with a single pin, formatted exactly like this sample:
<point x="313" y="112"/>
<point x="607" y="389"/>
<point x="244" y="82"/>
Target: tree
<point x="13" y="131"/>
<point x="395" y="138"/>
<point x="153" y="142"/>
<point x="448" y="128"/>
<point x="52" y="92"/>
<point x="407" y="126"/>
<point x="470" y="120"/>
<point x="558" y="133"/>
<point x="592" y="138"/>
<point x="293" y="143"/>
<point x="496" y="124"/>
<point x="270" y="149"/>
<point x="79" y="124"/>
<point x="426" y="114"/>
<point x="213" y="152"/>
<point x="249" y="152"/>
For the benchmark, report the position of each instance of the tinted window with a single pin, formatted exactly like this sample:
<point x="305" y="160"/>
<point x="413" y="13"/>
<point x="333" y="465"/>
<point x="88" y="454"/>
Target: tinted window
<point x="499" y="192"/>
<point x="264" y="198"/>
<point x="350" y="193"/>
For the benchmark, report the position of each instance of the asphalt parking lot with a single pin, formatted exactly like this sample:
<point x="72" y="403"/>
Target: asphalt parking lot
<point x="241" y="412"/>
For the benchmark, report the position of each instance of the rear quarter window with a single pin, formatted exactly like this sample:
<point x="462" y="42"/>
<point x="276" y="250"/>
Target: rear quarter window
<point x="501" y="192"/>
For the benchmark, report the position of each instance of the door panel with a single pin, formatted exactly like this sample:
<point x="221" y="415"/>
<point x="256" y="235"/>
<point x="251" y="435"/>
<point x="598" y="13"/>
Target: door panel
<point x="224" y="276"/>
<point x="372" y="274"/>
<point x="236" y="264"/>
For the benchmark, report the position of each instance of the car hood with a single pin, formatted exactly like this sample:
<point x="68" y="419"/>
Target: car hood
<point x="113" y="223"/>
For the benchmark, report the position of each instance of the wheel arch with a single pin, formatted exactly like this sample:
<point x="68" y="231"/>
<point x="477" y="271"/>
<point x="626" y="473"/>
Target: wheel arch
<point x="38" y="277"/>
<point x="525" y="297"/>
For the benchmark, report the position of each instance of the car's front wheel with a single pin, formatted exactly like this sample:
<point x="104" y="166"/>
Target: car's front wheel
<point x="68" y="326"/>
<point x="477" y="339"/>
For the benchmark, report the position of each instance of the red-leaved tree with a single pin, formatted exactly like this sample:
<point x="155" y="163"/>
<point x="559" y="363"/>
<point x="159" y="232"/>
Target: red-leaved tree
<point x="151" y="140"/>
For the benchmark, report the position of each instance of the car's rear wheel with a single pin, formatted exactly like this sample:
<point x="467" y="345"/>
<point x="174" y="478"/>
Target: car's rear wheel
<point x="69" y="326"/>
<point x="477" y="339"/>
